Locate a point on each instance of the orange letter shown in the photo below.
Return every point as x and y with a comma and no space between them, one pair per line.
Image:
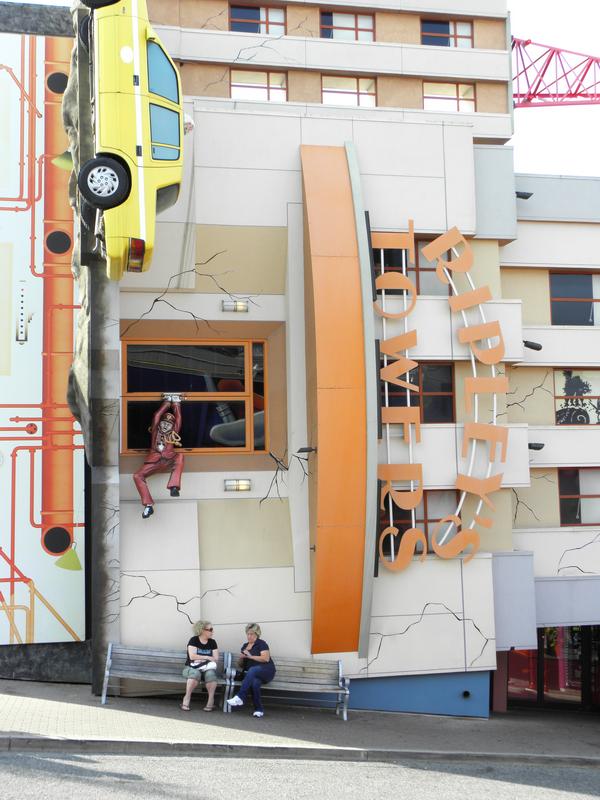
494,434
479,486
402,365
481,385
442,244
407,549
459,542
395,280
460,302
403,415
406,498
489,355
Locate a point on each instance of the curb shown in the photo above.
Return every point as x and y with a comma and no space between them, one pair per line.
24,744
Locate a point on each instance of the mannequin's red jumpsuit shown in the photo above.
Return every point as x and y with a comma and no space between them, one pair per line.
161,461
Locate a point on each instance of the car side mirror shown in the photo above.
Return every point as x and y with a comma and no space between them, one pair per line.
150,35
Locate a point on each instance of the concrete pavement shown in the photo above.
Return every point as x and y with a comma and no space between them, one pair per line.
46,716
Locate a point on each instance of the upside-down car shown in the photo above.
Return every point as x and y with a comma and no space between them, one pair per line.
138,130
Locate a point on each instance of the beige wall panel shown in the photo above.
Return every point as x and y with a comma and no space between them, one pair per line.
6,300
210,14
240,534
205,80
485,270
531,395
532,286
489,34
304,86
395,91
536,506
462,370
402,28
163,12
498,538
303,21
492,98
253,261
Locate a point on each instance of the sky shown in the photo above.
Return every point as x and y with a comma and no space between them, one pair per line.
550,140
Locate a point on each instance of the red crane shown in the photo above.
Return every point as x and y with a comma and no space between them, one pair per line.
550,76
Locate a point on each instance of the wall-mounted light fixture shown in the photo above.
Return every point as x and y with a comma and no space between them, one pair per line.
532,345
307,450
238,485
234,305
524,195
536,445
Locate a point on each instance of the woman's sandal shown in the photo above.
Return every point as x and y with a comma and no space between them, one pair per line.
208,708
183,707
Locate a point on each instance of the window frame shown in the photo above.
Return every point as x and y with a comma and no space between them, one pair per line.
357,93
399,390
592,299
268,24
450,36
356,29
149,45
575,497
247,395
267,72
557,396
457,97
416,269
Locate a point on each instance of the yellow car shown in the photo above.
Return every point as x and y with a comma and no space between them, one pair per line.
138,130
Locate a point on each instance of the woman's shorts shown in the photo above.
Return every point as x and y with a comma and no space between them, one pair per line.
197,674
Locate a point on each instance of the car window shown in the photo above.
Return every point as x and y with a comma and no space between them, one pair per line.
164,130
162,79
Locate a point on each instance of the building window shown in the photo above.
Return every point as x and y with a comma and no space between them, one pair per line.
579,496
250,85
434,506
252,19
435,395
448,96
350,27
223,384
577,396
446,33
422,274
345,90
575,298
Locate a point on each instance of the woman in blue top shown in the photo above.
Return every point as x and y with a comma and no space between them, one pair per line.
258,665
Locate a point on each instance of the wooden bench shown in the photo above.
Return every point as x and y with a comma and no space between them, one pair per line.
299,676
162,666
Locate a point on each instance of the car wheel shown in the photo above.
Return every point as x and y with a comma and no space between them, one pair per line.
103,182
84,33
99,3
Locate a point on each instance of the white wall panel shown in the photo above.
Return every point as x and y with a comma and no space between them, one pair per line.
393,200
568,601
561,551
270,307
565,245
181,521
440,473
514,600
389,148
566,445
198,485
491,8
562,345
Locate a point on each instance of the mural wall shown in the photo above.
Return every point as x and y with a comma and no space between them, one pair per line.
42,581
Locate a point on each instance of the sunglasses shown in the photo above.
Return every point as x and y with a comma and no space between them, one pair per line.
209,629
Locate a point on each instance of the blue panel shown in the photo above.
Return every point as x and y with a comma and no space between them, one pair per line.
162,79
425,694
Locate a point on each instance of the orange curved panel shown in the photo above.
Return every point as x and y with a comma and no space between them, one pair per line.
336,399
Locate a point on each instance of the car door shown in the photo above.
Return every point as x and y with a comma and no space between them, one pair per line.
164,106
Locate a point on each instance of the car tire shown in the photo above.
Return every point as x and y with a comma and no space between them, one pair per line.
99,3
104,182
84,33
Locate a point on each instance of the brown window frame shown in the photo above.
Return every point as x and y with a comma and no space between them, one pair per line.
449,36
457,97
356,27
247,395
268,73
399,390
575,497
559,299
572,397
357,93
401,516
416,269
281,26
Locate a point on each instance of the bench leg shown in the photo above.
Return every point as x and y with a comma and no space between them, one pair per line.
345,711
106,674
